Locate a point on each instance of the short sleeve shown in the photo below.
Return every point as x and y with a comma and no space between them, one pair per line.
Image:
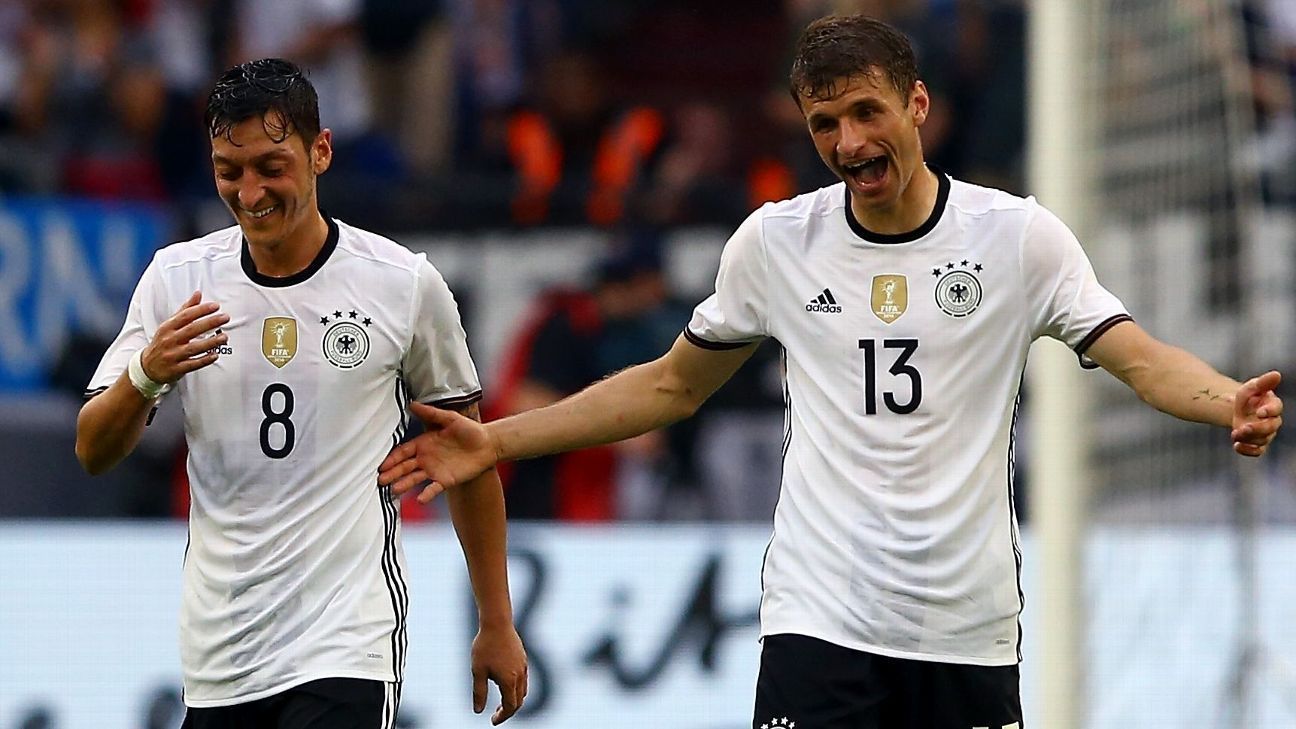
1062,292
437,367
141,322
737,313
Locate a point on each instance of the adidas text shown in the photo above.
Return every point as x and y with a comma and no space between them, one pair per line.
825,308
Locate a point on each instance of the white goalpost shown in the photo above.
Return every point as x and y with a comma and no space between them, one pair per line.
1142,138
1057,174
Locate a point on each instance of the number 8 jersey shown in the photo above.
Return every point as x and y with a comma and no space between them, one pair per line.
894,531
294,569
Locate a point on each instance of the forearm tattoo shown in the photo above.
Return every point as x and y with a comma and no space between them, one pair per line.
1206,394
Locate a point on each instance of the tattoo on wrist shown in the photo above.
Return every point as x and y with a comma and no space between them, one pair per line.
1206,394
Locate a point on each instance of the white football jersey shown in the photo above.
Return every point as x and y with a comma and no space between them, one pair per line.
894,531
294,569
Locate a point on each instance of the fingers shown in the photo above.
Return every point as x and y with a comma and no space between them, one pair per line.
1269,381
201,326
479,689
189,313
410,481
1271,406
1253,438
1256,387
196,363
397,477
179,346
400,453
512,695
433,490
401,461
432,417
1248,449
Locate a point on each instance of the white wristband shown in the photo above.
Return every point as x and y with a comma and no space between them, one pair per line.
147,387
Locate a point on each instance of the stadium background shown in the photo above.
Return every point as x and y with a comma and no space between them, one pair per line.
573,167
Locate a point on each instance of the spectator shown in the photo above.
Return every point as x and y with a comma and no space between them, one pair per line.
178,30
24,166
82,61
576,156
573,338
408,46
323,36
496,42
695,180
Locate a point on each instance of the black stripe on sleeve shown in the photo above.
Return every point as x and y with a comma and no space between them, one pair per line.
87,394
1093,336
714,346
457,401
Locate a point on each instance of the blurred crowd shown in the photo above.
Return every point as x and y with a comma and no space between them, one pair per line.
462,114
630,116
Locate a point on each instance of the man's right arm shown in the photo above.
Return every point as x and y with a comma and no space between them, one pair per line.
110,424
631,402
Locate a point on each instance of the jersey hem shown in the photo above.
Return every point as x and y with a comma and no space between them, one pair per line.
1093,336
714,346
891,652
280,688
456,401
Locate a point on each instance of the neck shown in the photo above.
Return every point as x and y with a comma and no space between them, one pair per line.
292,254
909,212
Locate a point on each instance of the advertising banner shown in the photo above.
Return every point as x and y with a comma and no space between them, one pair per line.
66,268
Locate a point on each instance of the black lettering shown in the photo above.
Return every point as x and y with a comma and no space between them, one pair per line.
701,624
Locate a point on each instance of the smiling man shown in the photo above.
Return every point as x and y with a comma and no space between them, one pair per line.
294,341
905,302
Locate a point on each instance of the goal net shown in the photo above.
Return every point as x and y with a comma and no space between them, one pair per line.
1181,578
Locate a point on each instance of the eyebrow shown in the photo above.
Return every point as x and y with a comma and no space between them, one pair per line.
218,158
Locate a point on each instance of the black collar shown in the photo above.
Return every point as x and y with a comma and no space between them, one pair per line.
330,243
942,196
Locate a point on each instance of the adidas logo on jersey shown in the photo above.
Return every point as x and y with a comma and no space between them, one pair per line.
824,303
222,349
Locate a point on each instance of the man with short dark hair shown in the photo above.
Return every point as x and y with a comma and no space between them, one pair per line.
294,342
905,302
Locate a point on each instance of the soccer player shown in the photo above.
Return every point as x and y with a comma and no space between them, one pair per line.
294,342
905,302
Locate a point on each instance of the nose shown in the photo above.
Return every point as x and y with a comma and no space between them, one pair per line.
853,139
250,192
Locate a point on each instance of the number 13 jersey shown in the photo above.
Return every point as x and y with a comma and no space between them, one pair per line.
894,531
294,569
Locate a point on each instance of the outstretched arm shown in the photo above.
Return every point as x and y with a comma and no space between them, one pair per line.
477,511
1176,382
633,401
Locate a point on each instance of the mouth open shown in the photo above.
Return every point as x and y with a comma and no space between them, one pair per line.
869,173
259,214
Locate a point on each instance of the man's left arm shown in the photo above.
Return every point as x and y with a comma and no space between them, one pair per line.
477,512
1176,382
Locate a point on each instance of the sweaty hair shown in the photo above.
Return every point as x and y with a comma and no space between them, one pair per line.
833,49
250,90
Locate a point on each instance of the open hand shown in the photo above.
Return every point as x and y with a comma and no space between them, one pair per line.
1257,414
455,449
179,345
